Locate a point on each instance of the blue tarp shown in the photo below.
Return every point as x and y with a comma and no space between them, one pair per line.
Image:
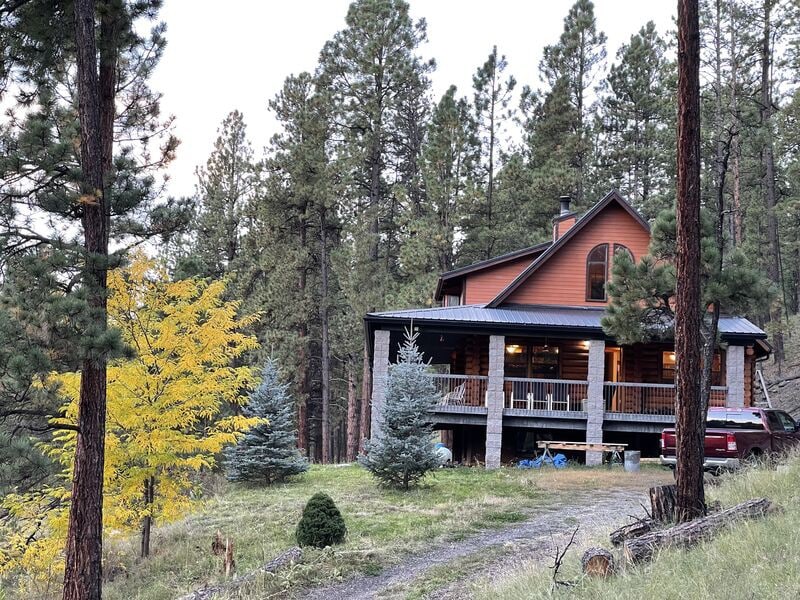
559,461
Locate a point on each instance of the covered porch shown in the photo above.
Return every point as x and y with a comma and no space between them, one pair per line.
551,371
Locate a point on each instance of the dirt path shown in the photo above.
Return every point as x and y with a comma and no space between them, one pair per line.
595,512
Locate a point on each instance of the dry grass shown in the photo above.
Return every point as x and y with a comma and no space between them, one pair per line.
754,560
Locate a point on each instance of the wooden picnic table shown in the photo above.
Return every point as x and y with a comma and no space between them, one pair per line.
613,449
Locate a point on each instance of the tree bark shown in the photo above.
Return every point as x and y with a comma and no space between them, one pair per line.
83,568
325,342
352,414
633,530
663,503
768,158
689,417
597,562
642,548
147,522
366,396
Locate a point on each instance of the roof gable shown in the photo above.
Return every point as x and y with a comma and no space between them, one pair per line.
498,261
613,198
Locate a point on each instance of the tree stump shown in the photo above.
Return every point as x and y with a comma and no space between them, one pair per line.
662,503
229,564
632,530
641,549
597,562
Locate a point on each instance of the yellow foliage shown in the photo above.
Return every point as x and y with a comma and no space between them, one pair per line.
169,408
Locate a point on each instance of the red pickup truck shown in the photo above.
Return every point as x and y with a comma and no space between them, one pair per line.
737,434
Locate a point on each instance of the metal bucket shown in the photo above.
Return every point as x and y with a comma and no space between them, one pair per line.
632,460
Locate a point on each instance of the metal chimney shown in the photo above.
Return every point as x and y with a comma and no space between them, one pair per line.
564,201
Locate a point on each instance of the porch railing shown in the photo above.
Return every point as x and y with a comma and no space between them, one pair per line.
461,390
546,394
649,398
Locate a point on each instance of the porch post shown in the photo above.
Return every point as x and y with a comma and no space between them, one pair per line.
734,375
595,405
380,377
494,401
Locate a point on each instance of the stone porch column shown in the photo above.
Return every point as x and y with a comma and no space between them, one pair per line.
494,401
595,404
734,375
380,377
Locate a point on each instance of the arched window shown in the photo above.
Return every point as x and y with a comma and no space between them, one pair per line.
623,248
597,273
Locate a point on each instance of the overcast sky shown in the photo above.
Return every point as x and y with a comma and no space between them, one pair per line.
236,54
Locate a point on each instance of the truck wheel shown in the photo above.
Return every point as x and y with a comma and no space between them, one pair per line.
752,458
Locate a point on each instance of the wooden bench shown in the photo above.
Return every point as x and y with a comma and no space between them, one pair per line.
613,449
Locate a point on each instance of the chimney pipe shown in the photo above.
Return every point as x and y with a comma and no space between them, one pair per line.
564,201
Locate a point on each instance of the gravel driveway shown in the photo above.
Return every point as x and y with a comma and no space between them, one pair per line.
595,512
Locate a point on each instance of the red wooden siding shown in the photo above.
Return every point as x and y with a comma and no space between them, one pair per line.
562,279
484,285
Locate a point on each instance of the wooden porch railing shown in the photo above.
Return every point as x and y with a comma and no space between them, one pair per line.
461,390
546,394
649,398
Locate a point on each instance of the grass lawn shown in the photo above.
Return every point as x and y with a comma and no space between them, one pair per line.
753,560
382,524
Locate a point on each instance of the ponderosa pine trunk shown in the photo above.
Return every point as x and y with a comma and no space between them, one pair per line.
768,157
83,565
352,414
688,342
325,342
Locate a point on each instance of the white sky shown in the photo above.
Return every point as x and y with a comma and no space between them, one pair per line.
222,56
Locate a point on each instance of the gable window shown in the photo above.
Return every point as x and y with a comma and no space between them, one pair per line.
622,248
597,273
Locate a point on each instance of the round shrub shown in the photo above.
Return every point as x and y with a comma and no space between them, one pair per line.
321,524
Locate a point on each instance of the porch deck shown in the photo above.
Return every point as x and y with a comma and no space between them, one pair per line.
563,399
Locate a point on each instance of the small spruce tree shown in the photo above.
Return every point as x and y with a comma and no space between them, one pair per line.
321,524
267,452
403,451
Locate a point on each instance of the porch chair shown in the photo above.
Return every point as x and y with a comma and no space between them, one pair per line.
456,397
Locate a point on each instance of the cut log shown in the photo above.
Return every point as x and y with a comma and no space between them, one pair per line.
632,530
662,503
641,549
597,562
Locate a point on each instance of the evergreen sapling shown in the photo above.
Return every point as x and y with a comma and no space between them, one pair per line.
267,452
403,452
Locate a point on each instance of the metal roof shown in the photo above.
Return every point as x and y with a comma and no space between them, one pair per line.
538,317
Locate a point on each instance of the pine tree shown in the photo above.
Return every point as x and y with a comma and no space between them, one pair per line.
402,452
559,133
492,95
638,124
80,156
267,452
224,187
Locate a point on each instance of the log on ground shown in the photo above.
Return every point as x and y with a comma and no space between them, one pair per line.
630,531
597,562
641,549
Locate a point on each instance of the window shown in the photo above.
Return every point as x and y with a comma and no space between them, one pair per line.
597,273
544,362
788,423
622,248
452,300
729,419
668,366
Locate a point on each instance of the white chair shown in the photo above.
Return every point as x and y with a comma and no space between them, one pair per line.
456,397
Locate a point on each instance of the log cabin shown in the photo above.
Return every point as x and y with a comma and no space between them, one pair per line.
519,355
